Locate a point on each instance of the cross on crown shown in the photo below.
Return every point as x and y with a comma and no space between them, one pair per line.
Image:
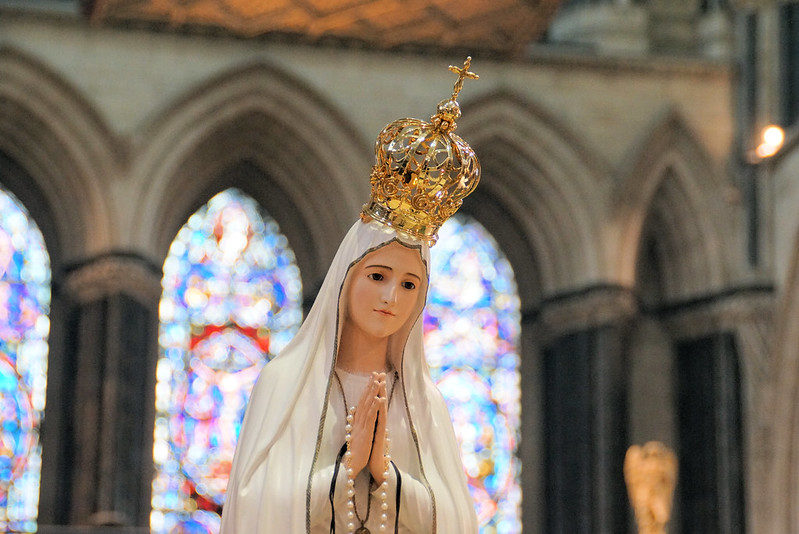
462,72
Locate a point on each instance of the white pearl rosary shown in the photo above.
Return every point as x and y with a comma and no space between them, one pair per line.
351,512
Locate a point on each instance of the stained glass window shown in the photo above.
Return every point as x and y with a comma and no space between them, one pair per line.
231,301
471,329
24,328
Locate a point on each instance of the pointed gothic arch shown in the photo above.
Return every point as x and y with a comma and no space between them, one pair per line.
57,157
274,138
50,131
231,301
673,180
545,184
540,198
668,216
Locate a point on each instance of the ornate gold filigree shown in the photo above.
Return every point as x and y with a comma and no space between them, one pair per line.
422,170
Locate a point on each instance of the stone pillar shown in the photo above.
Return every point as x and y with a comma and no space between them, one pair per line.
531,445
722,366
585,410
103,387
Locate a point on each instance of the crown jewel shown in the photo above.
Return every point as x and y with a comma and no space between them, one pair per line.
422,170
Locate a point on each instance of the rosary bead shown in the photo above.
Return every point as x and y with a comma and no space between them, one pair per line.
352,511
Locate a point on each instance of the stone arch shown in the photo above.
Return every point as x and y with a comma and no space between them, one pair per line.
59,159
672,180
545,185
258,129
673,246
539,197
57,141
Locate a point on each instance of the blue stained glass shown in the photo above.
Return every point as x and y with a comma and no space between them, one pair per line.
231,300
24,329
472,325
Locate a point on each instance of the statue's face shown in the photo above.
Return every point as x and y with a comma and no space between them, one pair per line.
384,290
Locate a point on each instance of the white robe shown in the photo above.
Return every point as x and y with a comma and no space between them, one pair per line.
293,428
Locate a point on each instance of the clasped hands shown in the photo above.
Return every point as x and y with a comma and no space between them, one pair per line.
368,442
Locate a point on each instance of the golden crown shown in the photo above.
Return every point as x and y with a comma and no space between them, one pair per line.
422,170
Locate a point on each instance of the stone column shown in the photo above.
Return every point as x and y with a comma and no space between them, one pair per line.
585,407
99,438
722,352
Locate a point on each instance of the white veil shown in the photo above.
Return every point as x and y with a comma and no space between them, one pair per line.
270,481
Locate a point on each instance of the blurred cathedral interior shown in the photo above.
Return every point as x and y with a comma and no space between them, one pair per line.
176,175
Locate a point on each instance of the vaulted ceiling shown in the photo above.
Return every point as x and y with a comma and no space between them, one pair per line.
498,26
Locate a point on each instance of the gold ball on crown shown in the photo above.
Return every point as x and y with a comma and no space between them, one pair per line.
422,170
